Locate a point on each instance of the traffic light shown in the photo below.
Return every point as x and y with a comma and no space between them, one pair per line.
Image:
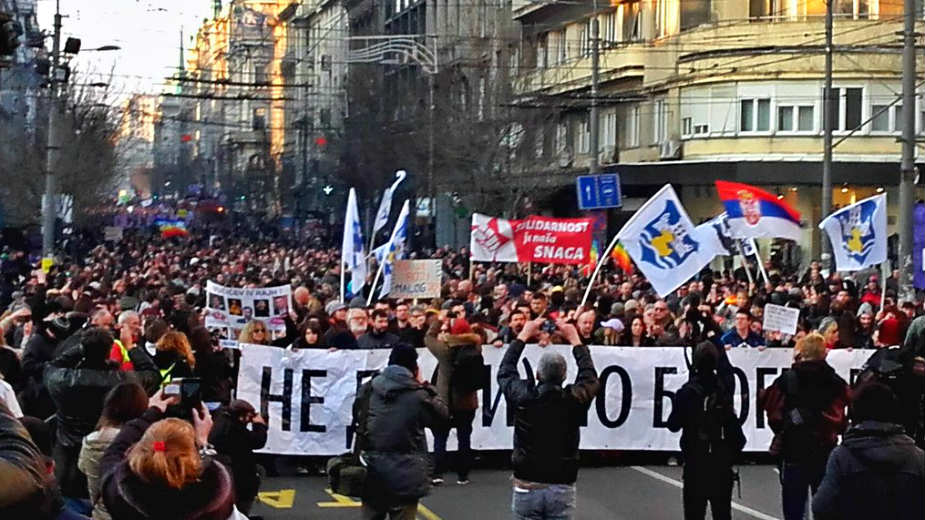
10,31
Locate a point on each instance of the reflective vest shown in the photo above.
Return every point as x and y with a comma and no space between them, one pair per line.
165,374
123,350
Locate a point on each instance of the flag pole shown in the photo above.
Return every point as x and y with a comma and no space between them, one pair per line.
597,269
343,270
748,273
372,290
529,274
884,266
761,269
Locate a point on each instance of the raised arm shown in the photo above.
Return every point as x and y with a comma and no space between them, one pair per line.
586,382
515,389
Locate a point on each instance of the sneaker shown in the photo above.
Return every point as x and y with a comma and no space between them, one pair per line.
437,481
463,482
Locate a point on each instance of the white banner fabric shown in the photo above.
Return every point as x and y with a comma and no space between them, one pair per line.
307,395
230,308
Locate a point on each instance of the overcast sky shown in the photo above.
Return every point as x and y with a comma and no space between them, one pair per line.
148,31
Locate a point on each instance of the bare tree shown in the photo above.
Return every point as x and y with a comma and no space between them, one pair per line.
87,163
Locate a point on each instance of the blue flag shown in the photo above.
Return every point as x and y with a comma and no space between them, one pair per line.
858,234
395,250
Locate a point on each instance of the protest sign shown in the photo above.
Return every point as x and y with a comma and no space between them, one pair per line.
230,308
112,233
307,395
780,318
533,239
416,279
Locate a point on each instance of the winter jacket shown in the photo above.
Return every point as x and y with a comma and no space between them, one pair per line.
877,472
395,409
215,371
443,351
128,497
372,340
79,392
235,445
547,418
704,444
91,454
34,397
171,366
821,398
21,467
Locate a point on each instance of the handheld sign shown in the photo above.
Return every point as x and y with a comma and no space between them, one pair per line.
780,318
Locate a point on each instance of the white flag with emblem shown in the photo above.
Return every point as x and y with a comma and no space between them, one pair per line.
858,234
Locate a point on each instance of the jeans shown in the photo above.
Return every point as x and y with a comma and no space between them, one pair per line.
403,512
462,421
796,479
554,502
72,481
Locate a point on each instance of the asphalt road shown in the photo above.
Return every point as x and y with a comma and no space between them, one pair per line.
615,493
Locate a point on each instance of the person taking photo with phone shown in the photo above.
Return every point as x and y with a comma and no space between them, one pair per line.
548,416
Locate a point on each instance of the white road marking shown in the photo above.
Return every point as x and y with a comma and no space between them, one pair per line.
678,484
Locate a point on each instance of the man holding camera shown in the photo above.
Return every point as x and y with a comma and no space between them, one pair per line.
78,381
237,431
547,421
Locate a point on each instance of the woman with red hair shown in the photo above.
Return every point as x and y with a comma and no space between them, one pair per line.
161,467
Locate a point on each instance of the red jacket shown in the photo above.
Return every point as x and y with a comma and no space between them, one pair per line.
820,397
120,356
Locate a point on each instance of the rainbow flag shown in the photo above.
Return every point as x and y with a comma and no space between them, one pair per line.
172,228
622,258
588,268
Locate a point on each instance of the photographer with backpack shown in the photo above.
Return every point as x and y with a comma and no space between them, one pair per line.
711,437
806,410
459,376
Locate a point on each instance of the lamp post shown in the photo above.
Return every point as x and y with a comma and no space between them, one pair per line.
49,209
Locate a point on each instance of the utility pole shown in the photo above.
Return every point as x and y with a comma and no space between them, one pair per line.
907,166
595,73
828,124
49,208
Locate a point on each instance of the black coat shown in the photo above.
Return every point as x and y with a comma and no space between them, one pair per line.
235,445
215,371
127,497
395,408
877,472
548,418
39,351
688,416
79,392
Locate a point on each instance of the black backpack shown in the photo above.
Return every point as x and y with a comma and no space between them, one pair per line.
719,433
468,369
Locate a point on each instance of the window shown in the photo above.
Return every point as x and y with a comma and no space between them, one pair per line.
540,142
880,121
755,115
854,9
694,13
660,121
701,129
632,127
687,126
561,47
259,121
791,118
561,137
608,130
542,47
785,119
632,23
584,134
847,106
898,118
607,30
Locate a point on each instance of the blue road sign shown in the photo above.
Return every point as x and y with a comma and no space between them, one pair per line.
599,191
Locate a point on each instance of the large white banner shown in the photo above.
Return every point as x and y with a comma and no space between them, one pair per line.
230,308
308,394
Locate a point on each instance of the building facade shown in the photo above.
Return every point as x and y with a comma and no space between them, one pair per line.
695,91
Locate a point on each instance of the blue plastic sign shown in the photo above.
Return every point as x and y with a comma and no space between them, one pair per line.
599,191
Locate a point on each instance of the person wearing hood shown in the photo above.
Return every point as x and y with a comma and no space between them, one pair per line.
711,440
446,340
805,408
390,414
877,472
39,351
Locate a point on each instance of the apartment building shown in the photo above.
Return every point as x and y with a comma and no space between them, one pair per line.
700,90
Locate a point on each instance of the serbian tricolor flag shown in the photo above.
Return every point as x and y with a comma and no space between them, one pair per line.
755,213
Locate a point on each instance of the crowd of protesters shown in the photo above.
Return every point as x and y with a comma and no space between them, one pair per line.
89,347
